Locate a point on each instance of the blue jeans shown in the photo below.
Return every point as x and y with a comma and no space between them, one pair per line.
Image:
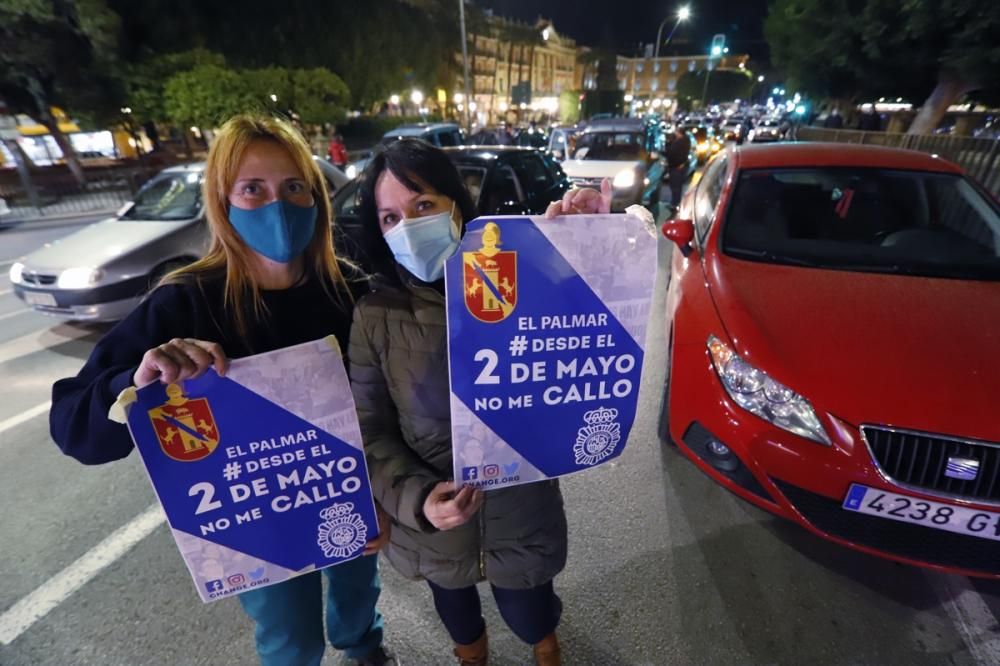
289,615
531,614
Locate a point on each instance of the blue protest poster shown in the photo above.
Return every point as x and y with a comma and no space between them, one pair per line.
546,332
261,473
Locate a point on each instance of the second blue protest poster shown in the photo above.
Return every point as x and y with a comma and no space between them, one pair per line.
546,330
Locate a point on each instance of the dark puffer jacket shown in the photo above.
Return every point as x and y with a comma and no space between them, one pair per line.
399,373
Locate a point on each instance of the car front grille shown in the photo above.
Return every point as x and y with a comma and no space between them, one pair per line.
921,460
37,279
914,542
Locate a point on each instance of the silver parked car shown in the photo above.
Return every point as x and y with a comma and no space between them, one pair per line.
102,271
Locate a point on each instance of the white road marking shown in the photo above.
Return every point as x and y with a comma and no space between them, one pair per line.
16,620
15,313
24,416
4,292
38,341
974,620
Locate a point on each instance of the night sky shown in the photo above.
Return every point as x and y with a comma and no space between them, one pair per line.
623,24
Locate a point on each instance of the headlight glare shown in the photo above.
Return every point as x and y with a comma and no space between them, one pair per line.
78,278
351,172
753,390
16,270
625,178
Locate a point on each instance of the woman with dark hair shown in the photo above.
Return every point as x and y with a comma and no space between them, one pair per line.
516,539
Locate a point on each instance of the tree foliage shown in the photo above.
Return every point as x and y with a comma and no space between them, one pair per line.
208,93
59,53
377,47
933,50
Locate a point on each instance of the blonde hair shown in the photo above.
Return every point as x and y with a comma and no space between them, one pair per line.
228,252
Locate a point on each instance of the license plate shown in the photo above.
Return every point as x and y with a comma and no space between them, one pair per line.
936,515
39,298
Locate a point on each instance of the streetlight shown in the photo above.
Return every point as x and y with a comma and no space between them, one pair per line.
683,14
274,98
394,100
760,79
416,97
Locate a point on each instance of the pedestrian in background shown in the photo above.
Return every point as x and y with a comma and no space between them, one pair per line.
337,151
678,154
414,203
270,280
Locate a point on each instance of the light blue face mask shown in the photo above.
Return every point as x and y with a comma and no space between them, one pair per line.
422,244
280,230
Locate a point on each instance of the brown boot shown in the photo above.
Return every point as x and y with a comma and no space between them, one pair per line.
474,654
547,652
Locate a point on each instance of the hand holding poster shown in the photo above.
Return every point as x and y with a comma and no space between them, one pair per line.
261,473
546,330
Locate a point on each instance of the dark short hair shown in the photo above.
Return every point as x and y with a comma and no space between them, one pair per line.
421,167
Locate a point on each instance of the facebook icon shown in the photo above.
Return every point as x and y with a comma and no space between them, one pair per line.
470,473
214,586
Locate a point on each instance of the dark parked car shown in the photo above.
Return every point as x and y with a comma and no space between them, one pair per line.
503,180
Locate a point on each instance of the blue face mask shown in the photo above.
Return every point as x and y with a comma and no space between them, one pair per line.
280,230
422,244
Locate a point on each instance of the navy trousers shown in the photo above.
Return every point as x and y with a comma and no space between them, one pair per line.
531,614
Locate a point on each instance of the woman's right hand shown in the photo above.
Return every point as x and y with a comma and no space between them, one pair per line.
179,359
445,509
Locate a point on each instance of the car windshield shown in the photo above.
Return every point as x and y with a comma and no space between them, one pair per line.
611,146
169,196
870,220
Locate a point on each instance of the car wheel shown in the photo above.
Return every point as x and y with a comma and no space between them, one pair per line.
663,424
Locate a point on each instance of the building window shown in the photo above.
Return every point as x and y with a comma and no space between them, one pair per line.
671,84
673,66
656,68
635,84
691,65
621,84
654,84
638,67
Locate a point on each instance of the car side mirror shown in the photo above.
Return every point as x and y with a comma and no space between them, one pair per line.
681,232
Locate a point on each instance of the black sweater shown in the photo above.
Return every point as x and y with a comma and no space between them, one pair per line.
79,418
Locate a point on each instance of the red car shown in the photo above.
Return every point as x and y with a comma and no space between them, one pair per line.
834,332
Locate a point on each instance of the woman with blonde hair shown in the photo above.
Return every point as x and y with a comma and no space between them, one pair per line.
269,280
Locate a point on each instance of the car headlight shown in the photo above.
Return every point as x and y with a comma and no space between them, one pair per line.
351,171
625,178
15,272
702,147
78,278
757,393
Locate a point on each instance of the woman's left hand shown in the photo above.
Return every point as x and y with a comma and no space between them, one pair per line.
384,530
582,201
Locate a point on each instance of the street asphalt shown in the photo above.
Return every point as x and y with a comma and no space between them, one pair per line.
665,567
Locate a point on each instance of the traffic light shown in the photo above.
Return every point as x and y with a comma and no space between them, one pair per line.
718,46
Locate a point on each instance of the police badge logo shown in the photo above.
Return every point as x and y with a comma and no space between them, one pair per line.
597,440
344,532
490,278
185,427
